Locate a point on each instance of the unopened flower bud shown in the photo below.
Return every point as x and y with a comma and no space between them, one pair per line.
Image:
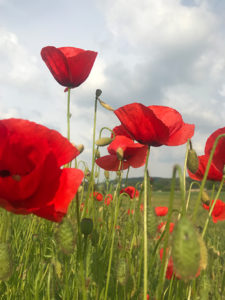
98,93
205,198
105,105
185,250
97,153
192,161
80,189
103,141
86,226
80,148
119,153
106,174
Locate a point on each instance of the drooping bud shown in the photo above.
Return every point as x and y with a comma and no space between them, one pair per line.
205,198
86,226
97,153
185,250
98,93
65,236
103,141
105,105
80,148
5,261
119,153
192,161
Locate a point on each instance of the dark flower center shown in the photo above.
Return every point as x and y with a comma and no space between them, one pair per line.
4,173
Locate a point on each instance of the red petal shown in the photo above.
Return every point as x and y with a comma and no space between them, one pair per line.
161,210
142,124
120,130
179,132
32,134
214,173
57,64
136,157
219,155
111,163
80,67
69,183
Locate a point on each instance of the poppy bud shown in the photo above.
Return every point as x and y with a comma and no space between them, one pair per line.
65,236
103,141
185,250
119,153
105,105
97,153
5,261
80,148
86,226
106,174
192,161
98,93
205,198
80,189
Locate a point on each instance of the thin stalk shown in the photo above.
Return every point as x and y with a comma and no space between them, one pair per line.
212,207
68,114
117,199
205,176
145,226
127,176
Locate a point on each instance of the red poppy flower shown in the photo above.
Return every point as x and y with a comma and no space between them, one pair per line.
154,125
161,210
169,270
131,191
162,225
134,155
218,161
108,199
120,130
31,178
130,211
218,213
97,196
69,66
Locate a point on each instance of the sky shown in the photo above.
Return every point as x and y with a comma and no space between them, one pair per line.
156,52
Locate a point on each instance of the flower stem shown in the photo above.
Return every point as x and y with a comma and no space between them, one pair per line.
68,114
145,226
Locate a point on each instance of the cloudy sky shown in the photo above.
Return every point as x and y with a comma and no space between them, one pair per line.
166,52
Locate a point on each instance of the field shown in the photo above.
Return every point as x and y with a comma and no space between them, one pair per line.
48,261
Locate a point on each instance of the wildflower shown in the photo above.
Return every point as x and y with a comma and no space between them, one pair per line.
216,168
161,210
169,270
131,191
31,177
97,196
69,66
218,213
162,225
124,152
108,199
130,211
154,125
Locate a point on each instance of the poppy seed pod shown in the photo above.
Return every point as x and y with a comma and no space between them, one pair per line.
185,250
192,161
98,93
86,226
103,141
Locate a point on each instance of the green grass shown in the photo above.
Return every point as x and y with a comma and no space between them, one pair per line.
41,268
